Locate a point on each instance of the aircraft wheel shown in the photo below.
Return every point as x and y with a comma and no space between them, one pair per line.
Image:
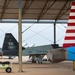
33,61
8,70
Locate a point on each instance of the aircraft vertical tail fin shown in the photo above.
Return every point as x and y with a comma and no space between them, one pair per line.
10,43
70,32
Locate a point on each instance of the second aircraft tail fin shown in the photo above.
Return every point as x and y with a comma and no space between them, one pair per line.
70,32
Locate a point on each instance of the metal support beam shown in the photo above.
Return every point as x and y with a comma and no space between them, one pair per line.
55,33
65,11
46,7
26,6
60,13
6,3
4,6
43,9
20,35
34,21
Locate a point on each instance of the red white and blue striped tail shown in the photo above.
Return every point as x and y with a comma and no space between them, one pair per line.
70,32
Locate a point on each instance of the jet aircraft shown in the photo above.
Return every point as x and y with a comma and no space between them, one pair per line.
11,48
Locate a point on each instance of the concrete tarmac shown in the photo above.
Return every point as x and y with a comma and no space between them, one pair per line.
63,68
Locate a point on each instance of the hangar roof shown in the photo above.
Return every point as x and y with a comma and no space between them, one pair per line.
36,9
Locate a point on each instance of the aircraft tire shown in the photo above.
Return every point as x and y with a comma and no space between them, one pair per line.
33,61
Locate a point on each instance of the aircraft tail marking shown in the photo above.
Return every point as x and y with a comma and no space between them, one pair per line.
70,32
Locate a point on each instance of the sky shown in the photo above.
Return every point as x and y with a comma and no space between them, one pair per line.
37,34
